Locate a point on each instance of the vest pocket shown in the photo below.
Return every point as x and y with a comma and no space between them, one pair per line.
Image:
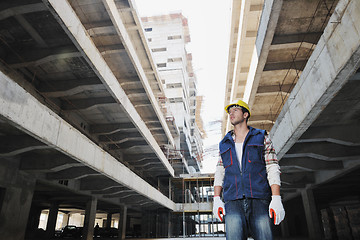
226,157
255,154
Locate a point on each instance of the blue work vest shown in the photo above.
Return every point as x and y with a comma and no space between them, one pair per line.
251,180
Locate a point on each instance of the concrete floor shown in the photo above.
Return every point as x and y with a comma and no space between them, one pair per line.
213,238
210,238
180,238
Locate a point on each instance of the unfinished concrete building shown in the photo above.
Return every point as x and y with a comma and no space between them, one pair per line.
82,129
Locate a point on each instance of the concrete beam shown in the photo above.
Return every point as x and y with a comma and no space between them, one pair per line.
112,128
328,140
297,65
127,144
309,37
46,163
98,24
31,31
66,16
312,164
293,178
146,165
36,57
321,157
26,113
242,38
340,134
138,157
72,173
14,145
97,184
102,31
330,64
23,9
329,150
194,207
294,45
115,16
275,88
114,190
69,87
266,31
120,137
86,103
329,175
121,194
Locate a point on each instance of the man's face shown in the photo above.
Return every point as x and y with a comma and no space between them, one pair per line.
236,115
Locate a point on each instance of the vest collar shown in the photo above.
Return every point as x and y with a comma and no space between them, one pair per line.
229,135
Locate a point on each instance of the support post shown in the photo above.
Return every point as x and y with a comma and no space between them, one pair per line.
169,226
311,214
89,221
122,223
170,189
108,220
16,195
66,220
51,223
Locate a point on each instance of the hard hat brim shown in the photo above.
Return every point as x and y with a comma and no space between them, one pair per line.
241,105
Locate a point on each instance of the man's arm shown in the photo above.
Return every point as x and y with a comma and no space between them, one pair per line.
276,209
275,190
217,190
218,205
272,166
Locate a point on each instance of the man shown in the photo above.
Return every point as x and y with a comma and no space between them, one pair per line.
248,173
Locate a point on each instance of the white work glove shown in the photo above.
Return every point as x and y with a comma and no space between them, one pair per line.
276,208
218,208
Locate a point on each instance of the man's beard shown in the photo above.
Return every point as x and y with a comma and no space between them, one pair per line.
238,121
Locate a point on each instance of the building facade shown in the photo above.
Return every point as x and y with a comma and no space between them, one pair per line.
167,36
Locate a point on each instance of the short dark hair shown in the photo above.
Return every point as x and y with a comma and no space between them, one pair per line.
244,110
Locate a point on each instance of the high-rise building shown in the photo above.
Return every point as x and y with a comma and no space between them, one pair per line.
167,36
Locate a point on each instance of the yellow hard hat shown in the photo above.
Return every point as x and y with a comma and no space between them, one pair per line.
238,103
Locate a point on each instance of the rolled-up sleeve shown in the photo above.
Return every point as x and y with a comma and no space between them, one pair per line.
272,163
219,174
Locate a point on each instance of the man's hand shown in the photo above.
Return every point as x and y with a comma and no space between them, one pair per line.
218,208
276,209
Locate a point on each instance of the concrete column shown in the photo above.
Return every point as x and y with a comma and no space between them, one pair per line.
51,222
311,214
15,205
108,220
34,218
170,189
89,221
122,223
169,225
66,219
145,225
157,227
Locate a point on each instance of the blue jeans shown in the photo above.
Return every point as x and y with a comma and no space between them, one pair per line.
248,217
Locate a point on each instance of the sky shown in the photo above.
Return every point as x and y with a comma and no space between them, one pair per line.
209,26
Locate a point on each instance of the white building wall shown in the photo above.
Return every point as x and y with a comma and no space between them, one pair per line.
167,37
